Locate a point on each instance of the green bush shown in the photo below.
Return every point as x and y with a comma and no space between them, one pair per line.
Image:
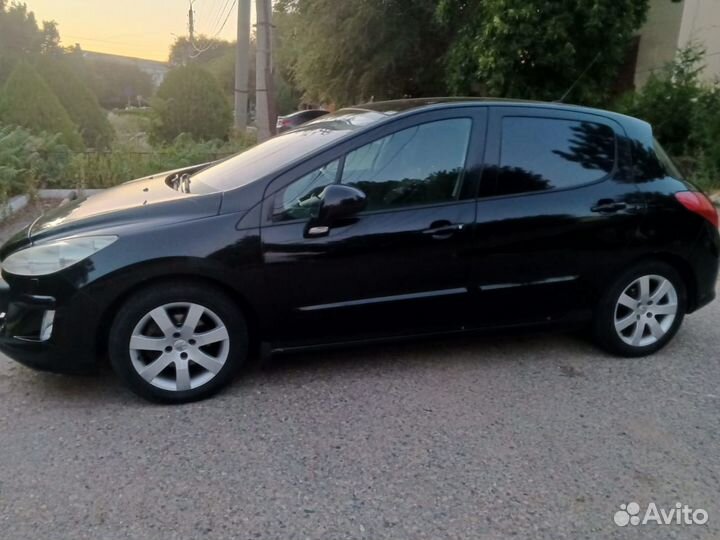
26,100
77,98
29,161
127,161
685,114
705,139
668,99
190,101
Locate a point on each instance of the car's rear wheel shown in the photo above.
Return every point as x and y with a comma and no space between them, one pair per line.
178,343
642,310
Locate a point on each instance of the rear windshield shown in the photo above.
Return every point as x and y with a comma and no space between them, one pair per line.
283,150
667,163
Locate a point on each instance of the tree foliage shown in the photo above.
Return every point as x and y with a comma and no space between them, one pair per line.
21,38
190,100
116,85
347,52
68,84
684,112
705,137
218,57
29,160
223,69
202,50
536,49
289,94
668,100
26,100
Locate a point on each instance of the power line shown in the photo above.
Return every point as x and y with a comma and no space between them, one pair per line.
219,17
212,45
227,17
209,15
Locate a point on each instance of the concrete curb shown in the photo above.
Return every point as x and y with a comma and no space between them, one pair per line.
64,193
17,203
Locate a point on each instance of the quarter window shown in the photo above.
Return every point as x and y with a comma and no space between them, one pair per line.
540,154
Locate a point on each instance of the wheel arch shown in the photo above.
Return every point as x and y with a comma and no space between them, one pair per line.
109,313
685,270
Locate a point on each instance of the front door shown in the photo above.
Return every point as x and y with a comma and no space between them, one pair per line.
401,265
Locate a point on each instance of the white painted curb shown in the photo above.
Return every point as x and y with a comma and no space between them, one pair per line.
19,202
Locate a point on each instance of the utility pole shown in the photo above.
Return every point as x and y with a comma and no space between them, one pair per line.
191,32
265,116
242,66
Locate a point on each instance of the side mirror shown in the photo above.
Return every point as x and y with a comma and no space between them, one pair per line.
338,203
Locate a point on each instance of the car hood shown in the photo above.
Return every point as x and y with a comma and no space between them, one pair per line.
149,200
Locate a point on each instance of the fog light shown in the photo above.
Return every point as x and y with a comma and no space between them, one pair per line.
46,326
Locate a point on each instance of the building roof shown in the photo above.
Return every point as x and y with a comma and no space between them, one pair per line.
125,59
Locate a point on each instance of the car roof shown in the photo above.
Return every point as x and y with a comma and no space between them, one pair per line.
304,112
403,106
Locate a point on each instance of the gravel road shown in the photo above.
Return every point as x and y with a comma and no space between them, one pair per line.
526,436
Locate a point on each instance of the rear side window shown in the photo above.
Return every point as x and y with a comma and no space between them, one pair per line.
539,154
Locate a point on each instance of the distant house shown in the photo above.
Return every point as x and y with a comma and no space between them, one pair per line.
157,70
671,26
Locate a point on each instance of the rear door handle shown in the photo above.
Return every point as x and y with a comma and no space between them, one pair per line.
442,230
607,206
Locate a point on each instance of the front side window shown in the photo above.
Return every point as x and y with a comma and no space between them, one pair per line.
420,165
301,199
539,154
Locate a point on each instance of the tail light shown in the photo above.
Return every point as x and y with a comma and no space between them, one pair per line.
282,122
699,204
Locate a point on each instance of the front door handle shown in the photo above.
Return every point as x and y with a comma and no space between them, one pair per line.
443,229
608,206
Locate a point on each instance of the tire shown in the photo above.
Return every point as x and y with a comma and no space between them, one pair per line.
632,319
161,358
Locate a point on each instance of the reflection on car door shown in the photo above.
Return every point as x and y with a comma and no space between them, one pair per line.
401,266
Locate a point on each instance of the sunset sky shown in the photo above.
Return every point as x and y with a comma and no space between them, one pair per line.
142,28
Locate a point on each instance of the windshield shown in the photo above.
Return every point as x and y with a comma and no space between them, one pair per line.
284,149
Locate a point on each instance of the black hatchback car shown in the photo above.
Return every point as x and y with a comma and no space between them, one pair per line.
385,220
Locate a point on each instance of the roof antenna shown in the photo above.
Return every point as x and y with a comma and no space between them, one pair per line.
573,85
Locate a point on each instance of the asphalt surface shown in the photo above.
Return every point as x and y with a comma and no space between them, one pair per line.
525,436
531,436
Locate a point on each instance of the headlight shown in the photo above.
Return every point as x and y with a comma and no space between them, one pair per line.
49,258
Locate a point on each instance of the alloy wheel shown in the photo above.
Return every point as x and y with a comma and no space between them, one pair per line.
179,346
646,310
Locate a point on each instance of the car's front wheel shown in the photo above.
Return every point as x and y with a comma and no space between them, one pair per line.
177,343
642,310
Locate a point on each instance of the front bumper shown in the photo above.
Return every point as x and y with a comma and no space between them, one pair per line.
32,333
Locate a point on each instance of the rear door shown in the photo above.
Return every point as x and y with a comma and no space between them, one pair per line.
557,213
